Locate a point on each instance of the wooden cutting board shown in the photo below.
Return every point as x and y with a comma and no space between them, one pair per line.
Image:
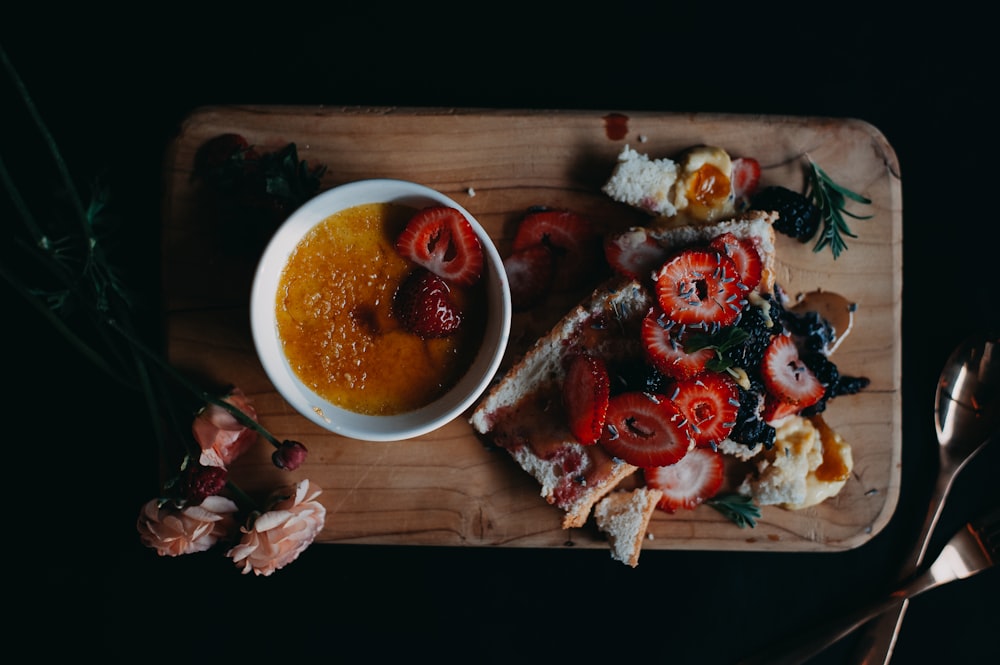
449,487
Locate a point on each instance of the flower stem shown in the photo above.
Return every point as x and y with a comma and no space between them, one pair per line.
241,497
237,413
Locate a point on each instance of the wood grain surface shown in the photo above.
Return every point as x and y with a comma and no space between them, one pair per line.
450,488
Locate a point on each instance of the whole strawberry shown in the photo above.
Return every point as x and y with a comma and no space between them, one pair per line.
424,306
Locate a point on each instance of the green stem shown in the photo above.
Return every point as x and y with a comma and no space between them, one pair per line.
241,417
241,497
49,141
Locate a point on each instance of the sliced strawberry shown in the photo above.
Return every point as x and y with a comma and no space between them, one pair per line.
700,286
689,482
424,307
645,430
441,239
786,377
711,402
745,177
585,393
663,342
744,254
634,253
530,272
571,238
775,409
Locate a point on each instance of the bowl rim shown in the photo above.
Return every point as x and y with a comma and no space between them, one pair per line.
267,343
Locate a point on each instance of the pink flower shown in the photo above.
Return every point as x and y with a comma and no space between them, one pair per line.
278,536
172,531
220,435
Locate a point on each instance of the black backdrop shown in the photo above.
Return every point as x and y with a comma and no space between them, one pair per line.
113,89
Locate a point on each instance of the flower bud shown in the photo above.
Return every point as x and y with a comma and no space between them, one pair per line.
290,455
198,482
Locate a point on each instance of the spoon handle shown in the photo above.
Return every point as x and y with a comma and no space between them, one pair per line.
879,636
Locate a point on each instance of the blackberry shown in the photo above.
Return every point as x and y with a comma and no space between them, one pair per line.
815,332
750,430
833,381
636,374
756,324
798,217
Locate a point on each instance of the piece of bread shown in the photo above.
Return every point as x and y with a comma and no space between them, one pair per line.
643,183
523,412
623,516
754,225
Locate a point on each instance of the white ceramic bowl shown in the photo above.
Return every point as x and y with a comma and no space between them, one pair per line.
263,320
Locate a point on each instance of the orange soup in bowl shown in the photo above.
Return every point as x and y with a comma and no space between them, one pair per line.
336,323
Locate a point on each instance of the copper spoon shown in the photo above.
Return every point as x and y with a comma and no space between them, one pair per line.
965,417
967,406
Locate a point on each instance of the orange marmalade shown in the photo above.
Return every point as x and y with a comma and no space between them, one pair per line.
336,324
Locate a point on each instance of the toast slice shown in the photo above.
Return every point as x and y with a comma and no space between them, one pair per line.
523,413
623,516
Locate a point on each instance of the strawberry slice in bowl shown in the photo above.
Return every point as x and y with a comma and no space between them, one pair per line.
645,430
441,239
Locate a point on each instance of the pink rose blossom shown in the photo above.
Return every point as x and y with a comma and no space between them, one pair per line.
278,536
220,435
172,531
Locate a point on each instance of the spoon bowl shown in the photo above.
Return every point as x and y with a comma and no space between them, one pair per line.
968,397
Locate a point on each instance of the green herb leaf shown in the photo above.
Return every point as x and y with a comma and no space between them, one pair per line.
721,342
739,508
830,198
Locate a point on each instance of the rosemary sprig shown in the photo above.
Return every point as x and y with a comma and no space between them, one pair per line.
739,508
831,200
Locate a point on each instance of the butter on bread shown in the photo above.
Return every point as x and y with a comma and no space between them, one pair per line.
623,516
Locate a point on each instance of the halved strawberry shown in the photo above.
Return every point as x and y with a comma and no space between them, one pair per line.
786,377
634,253
745,176
424,307
744,254
711,402
586,390
571,237
441,239
700,286
663,342
645,430
689,482
529,272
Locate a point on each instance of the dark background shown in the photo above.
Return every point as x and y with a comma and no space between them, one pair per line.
113,90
